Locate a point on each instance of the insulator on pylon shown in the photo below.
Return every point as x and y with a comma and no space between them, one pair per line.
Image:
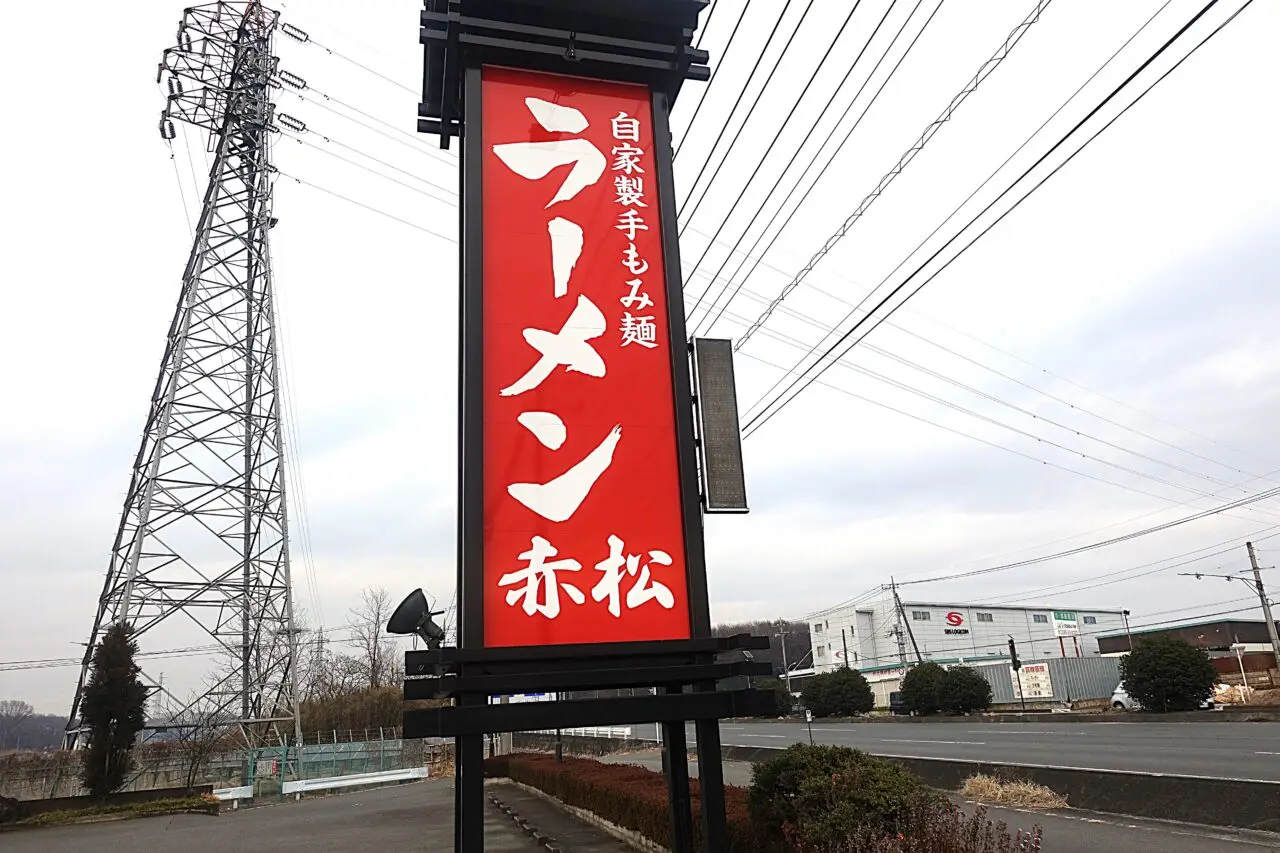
167,130
293,80
175,86
296,125
295,33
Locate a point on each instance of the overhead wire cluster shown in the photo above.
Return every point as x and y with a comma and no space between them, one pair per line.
803,376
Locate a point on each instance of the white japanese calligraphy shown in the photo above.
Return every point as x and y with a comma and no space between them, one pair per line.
617,566
535,160
626,128
631,259
541,574
630,191
630,222
556,117
566,248
560,498
639,330
626,158
636,300
567,347
546,427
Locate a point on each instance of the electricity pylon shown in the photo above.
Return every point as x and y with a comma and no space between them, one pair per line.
204,533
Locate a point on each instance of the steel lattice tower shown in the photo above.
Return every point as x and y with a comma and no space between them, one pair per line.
204,535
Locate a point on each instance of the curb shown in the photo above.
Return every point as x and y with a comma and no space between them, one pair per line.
545,841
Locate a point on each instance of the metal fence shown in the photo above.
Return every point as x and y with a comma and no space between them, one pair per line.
1070,679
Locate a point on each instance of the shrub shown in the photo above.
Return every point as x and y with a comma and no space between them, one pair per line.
784,702
816,792
844,692
934,828
1168,674
631,797
920,688
961,690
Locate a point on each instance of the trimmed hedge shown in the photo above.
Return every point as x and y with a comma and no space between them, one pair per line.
813,800
631,797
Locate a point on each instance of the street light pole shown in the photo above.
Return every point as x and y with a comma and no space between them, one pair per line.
1127,632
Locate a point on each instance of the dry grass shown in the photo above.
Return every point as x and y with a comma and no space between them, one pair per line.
1017,793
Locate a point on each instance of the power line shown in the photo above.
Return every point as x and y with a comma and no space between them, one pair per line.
774,406
930,130
302,37
955,406
777,135
742,93
750,112
444,200
759,257
370,208
706,93
831,133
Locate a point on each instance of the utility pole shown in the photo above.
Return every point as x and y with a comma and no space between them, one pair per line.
1127,632
844,641
1262,595
903,616
786,670
1266,605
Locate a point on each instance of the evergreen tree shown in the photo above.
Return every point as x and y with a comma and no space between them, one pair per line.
1168,674
962,689
920,688
113,711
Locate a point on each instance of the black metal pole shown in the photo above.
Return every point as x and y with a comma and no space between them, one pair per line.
844,641
675,766
469,749
711,785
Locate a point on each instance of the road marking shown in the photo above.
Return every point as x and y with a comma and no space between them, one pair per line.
996,731
951,742
1267,753
750,735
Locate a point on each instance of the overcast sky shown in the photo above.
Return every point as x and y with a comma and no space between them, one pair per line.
1114,332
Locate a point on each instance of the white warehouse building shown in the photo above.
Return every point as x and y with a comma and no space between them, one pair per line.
872,635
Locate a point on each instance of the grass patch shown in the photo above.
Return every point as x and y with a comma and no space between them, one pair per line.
197,805
1017,793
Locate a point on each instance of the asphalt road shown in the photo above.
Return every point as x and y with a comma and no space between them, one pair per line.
415,818
1218,750
1065,830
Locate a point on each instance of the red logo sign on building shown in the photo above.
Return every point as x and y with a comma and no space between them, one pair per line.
583,533
954,618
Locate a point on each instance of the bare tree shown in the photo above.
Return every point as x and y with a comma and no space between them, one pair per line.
13,713
201,735
375,650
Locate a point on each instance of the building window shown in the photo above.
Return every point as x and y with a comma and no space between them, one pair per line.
986,617
822,653
818,627
920,615
1091,620
1040,618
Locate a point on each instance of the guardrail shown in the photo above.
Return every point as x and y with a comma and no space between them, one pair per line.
615,732
302,786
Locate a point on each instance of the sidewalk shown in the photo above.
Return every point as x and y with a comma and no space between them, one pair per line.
1065,830
570,834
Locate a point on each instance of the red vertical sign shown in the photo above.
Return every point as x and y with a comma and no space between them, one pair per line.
583,535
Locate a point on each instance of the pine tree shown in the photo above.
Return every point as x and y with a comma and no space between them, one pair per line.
113,711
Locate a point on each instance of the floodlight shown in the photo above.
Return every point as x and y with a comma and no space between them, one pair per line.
413,616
